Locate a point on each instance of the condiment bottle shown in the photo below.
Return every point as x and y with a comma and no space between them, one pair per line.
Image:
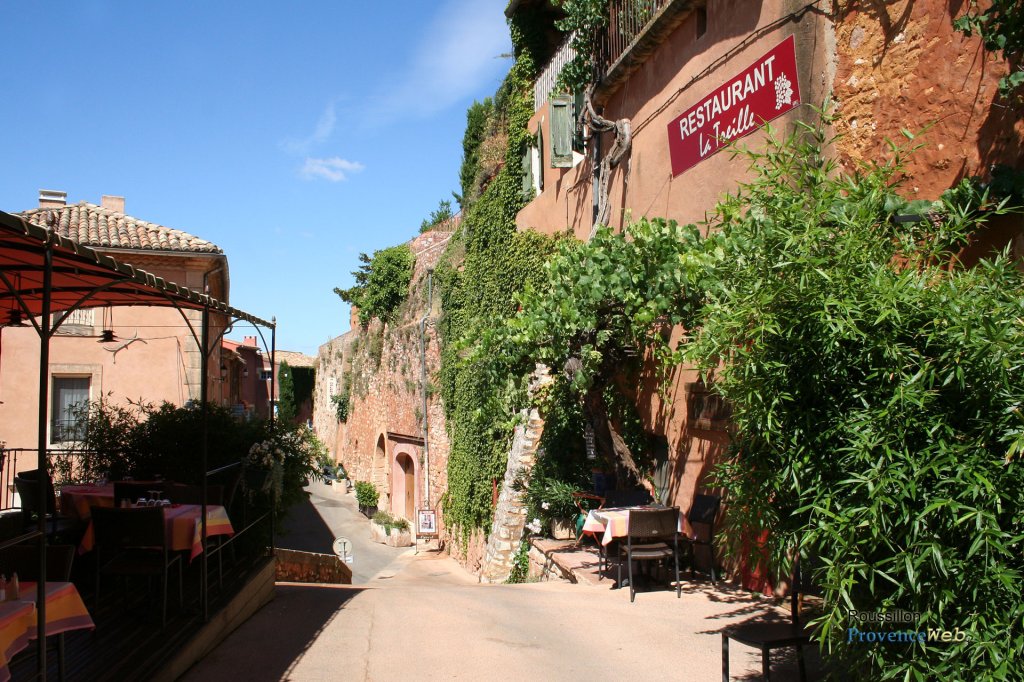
13,588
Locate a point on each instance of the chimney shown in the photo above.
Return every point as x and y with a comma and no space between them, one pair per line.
249,341
113,203
51,198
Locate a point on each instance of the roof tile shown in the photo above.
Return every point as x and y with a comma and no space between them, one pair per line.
94,225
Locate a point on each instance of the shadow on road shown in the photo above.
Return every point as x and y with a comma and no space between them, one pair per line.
287,628
304,529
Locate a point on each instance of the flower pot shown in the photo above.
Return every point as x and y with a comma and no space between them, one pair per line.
368,512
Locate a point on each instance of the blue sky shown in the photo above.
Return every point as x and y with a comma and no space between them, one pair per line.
292,135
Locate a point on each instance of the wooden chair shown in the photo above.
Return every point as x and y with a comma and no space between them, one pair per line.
703,512
652,535
768,635
133,541
24,560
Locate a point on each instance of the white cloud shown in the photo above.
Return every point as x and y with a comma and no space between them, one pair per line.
324,127
456,56
334,168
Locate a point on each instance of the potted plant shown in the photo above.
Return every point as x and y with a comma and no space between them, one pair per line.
367,498
390,530
555,507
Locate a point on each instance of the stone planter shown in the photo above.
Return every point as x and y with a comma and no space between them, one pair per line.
397,538
368,512
563,529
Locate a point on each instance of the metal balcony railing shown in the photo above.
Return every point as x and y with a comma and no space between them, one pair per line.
626,21
549,76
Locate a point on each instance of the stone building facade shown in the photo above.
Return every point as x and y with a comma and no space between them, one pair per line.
382,372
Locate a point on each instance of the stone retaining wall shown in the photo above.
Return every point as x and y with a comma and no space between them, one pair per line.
307,567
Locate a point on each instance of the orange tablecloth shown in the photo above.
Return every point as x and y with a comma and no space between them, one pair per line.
75,500
183,529
17,622
613,523
64,611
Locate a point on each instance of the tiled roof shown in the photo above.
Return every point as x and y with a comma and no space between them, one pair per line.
100,227
294,359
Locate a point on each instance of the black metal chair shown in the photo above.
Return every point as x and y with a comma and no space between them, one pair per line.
768,635
133,542
24,560
27,485
652,535
703,512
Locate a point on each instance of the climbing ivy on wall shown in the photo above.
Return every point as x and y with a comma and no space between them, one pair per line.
483,268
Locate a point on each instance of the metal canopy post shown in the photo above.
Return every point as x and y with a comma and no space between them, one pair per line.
204,364
42,476
273,422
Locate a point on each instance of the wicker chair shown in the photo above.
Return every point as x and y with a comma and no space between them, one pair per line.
652,535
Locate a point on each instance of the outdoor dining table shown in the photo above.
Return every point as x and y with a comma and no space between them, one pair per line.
77,500
613,522
184,532
65,611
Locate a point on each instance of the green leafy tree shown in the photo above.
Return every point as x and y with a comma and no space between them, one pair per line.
381,283
477,121
437,217
876,389
287,407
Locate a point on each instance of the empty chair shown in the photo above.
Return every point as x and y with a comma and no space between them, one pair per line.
133,541
703,512
24,560
652,535
32,506
768,635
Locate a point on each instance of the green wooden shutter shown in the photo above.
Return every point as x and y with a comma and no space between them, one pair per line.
561,131
527,175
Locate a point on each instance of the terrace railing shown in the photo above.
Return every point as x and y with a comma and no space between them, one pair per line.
627,19
549,76
62,465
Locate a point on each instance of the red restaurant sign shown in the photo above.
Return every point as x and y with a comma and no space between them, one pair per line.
764,91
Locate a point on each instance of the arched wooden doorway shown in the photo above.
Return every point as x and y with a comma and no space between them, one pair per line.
405,498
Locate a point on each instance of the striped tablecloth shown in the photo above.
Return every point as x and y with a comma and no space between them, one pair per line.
184,532
18,620
613,522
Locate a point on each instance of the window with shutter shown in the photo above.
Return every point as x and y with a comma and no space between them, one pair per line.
561,131
527,175
67,398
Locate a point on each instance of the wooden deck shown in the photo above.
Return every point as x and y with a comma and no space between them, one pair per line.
128,642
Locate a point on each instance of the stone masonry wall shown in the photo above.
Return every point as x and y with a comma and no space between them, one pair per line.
510,515
383,368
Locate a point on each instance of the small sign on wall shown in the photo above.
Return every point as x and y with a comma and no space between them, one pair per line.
765,90
426,523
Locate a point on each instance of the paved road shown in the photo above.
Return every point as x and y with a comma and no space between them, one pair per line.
422,617
313,525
